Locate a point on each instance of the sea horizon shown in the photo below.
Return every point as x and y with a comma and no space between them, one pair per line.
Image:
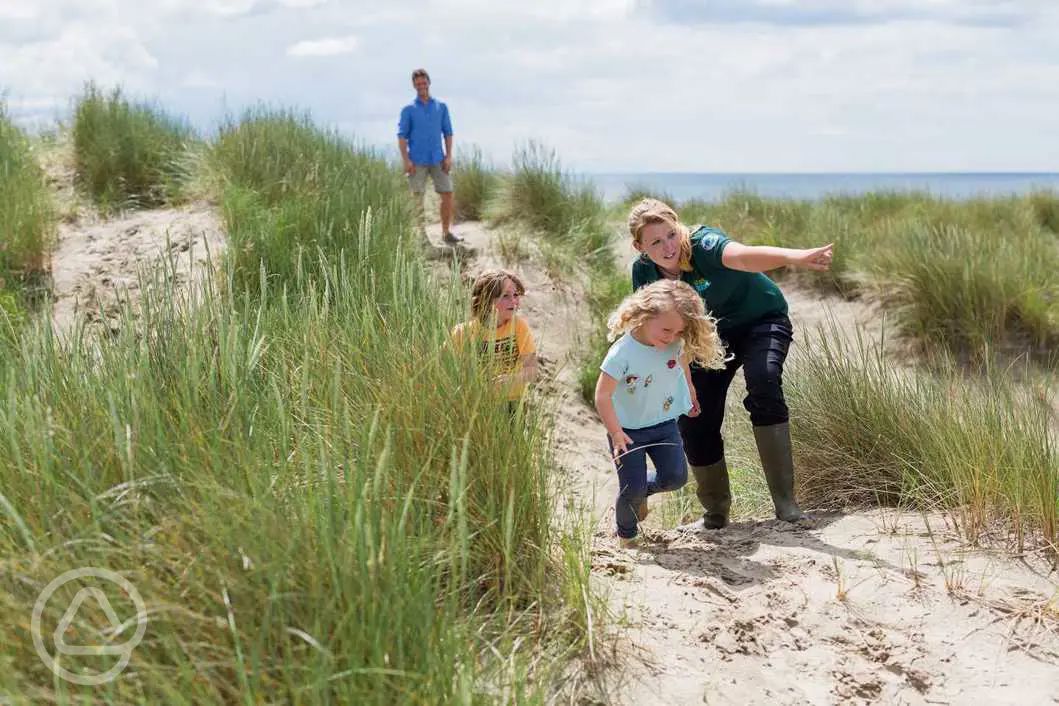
712,186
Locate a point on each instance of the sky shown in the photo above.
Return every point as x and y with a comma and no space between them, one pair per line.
611,85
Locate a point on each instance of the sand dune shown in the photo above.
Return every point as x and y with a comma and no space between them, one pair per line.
867,607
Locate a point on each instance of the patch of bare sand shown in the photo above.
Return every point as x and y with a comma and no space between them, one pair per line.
872,607
97,267
867,608
99,264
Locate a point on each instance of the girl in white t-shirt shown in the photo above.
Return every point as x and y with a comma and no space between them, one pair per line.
644,386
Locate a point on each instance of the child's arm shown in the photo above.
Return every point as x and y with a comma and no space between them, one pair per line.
528,368
695,409
605,387
762,258
526,373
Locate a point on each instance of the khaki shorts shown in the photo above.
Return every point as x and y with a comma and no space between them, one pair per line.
418,181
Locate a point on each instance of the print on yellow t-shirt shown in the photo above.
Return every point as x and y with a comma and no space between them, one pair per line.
500,348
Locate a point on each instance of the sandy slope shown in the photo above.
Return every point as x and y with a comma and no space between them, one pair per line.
877,607
98,266
99,263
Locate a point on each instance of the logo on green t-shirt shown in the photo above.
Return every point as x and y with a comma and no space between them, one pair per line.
701,284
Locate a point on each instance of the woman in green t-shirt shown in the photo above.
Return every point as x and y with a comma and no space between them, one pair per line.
752,321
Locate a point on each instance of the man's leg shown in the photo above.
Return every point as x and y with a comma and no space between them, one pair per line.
446,214
417,183
443,185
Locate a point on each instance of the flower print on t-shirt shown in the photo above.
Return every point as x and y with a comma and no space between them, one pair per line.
630,383
651,386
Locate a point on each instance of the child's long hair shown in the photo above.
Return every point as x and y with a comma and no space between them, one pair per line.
654,211
702,344
487,288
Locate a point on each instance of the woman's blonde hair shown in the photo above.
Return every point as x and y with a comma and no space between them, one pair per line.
654,211
487,288
702,344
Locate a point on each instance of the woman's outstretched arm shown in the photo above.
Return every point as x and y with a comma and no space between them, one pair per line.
761,258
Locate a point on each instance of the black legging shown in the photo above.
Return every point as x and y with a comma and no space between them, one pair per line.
760,348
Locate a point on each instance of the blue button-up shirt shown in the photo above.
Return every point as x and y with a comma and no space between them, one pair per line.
423,124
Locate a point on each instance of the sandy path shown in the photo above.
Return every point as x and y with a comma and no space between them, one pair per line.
876,607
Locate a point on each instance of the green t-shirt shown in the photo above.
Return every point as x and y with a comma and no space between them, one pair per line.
733,297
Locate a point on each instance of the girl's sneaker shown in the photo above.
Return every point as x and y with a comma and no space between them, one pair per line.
629,542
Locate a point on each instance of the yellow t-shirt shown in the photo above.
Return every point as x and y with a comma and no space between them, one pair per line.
501,348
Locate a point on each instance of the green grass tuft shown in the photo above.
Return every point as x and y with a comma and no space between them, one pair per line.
128,155
635,193
1046,208
540,195
27,218
295,196
475,181
27,230
866,432
971,288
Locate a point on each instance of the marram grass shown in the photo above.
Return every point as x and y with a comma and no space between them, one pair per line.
866,431
474,182
538,194
27,216
319,500
964,277
128,154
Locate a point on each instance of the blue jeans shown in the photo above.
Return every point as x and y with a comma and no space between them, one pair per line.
671,470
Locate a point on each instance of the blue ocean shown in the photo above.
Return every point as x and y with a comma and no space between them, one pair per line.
682,186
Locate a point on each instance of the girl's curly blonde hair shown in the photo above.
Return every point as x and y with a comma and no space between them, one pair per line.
702,344
654,211
487,288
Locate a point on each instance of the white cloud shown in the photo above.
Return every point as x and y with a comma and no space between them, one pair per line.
845,12
56,67
612,85
329,46
17,10
199,79
227,8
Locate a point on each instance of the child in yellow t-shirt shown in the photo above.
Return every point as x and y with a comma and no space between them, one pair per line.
500,336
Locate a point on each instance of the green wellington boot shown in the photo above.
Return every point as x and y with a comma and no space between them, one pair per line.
714,493
774,446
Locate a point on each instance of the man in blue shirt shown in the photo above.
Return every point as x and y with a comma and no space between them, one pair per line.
423,123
